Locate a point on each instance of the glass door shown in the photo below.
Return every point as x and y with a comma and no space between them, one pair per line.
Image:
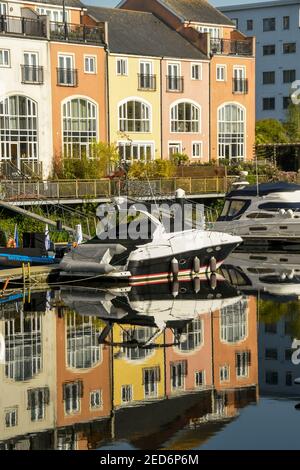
30,67
173,76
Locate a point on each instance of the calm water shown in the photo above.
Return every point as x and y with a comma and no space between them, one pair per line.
185,366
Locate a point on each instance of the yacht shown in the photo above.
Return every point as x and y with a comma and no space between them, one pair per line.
269,212
160,254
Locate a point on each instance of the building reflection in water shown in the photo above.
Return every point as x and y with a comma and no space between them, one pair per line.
60,389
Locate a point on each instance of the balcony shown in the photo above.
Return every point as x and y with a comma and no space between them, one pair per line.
147,82
15,25
32,75
67,77
240,86
231,47
175,84
77,33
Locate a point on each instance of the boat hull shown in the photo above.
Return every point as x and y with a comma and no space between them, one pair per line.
16,257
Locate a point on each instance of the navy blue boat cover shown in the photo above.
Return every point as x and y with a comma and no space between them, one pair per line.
264,189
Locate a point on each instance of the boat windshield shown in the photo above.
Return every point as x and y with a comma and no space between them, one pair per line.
122,225
232,208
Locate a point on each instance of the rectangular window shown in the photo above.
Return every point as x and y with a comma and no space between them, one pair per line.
37,399
286,22
11,418
147,81
197,150
122,66
242,363
126,394
271,377
174,147
236,22
199,379
174,79
271,354
269,49
141,151
90,64
271,328
196,71
3,8
269,78
224,373
221,73
96,399
66,74
288,354
249,25
289,48
4,58
286,101
72,393
269,24
289,76
268,104
178,373
288,379
151,377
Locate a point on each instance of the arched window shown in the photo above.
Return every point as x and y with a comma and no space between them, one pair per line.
134,116
234,322
18,130
79,127
192,336
23,346
185,117
231,132
83,350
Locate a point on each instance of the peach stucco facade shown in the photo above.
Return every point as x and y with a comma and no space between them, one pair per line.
194,92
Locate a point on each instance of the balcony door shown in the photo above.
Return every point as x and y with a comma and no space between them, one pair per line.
65,64
173,76
146,73
3,9
31,66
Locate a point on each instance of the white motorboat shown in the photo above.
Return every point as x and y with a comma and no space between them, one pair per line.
114,253
269,212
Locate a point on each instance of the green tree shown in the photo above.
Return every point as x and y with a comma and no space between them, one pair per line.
270,131
180,158
292,124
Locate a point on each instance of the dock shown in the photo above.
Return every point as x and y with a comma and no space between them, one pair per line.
33,276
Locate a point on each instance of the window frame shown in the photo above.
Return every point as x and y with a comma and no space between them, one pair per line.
174,143
94,58
197,142
271,20
269,46
123,116
126,72
127,387
252,24
8,65
268,108
224,68
284,48
200,66
175,121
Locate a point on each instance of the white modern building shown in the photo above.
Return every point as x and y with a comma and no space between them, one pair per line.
275,24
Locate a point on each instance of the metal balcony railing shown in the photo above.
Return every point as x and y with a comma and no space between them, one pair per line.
16,25
240,86
147,82
77,33
231,47
32,75
175,84
67,77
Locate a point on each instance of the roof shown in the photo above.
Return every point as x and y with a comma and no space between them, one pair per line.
68,3
255,5
139,33
199,11
265,189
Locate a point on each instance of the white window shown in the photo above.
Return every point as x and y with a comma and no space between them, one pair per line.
96,399
239,80
234,322
215,33
126,394
185,117
134,116
122,66
231,132
134,151
197,151
66,73
192,336
3,8
55,15
90,64
174,80
199,379
151,377
83,350
31,68
11,418
4,58
224,373
80,126
196,71
178,373
146,78
72,392
175,147
242,363
38,398
221,73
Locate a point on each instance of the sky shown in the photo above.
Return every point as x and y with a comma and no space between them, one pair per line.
112,3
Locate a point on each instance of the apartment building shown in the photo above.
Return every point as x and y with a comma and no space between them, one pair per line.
275,24
232,70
